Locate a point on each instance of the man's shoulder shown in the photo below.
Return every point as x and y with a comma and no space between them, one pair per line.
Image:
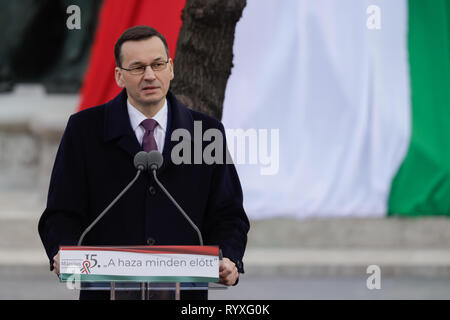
194,115
208,122
206,119
86,121
89,113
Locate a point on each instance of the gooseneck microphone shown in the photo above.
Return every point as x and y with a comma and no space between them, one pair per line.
141,164
155,160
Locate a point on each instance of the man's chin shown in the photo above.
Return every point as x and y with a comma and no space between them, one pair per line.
151,102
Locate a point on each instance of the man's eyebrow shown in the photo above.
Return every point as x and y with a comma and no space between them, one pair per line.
139,63
136,63
158,59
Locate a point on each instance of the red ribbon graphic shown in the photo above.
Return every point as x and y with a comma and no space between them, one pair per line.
86,265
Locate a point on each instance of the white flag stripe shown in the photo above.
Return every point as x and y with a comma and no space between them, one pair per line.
339,94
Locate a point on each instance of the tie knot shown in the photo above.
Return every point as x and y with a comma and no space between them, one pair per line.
149,124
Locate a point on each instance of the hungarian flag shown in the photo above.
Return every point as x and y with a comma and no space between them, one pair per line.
115,17
359,91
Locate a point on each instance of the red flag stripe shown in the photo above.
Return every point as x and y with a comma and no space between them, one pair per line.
116,16
202,250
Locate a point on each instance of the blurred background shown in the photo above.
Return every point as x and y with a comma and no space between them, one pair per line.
358,92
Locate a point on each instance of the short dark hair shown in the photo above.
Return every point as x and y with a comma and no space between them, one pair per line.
137,33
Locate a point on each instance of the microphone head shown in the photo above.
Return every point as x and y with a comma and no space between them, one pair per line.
141,161
155,160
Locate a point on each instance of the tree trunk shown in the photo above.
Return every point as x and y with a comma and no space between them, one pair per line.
204,54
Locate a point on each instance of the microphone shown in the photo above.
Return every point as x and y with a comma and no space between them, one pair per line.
155,160
140,161
141,164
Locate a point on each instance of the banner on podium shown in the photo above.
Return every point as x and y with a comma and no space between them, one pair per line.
139,264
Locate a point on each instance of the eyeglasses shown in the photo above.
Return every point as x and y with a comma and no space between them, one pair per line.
156,66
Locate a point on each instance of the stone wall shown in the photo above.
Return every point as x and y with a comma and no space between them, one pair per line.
31,126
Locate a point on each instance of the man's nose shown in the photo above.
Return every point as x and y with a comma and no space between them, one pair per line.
149,74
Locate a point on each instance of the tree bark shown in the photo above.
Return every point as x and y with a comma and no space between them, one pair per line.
204,54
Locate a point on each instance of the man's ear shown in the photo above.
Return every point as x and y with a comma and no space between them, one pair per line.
118,76
172,74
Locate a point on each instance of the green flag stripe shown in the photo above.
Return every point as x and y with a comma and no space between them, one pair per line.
422,184
64,277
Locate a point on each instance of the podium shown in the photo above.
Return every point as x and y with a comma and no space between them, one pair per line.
141,272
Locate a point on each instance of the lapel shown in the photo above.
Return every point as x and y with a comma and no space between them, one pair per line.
178,117
118,127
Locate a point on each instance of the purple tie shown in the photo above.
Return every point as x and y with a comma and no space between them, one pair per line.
148,141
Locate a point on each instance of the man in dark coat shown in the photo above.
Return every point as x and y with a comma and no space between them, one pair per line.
95,162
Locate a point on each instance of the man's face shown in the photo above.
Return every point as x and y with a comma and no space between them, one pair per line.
148,89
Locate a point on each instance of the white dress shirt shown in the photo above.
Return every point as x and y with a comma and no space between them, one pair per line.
136,117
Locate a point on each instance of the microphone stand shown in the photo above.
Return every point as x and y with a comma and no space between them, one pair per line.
153,168
80,241
177,205
107,208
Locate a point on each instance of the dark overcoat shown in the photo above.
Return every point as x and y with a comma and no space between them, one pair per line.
94,163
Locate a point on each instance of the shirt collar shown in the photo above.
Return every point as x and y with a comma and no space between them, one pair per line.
136,117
